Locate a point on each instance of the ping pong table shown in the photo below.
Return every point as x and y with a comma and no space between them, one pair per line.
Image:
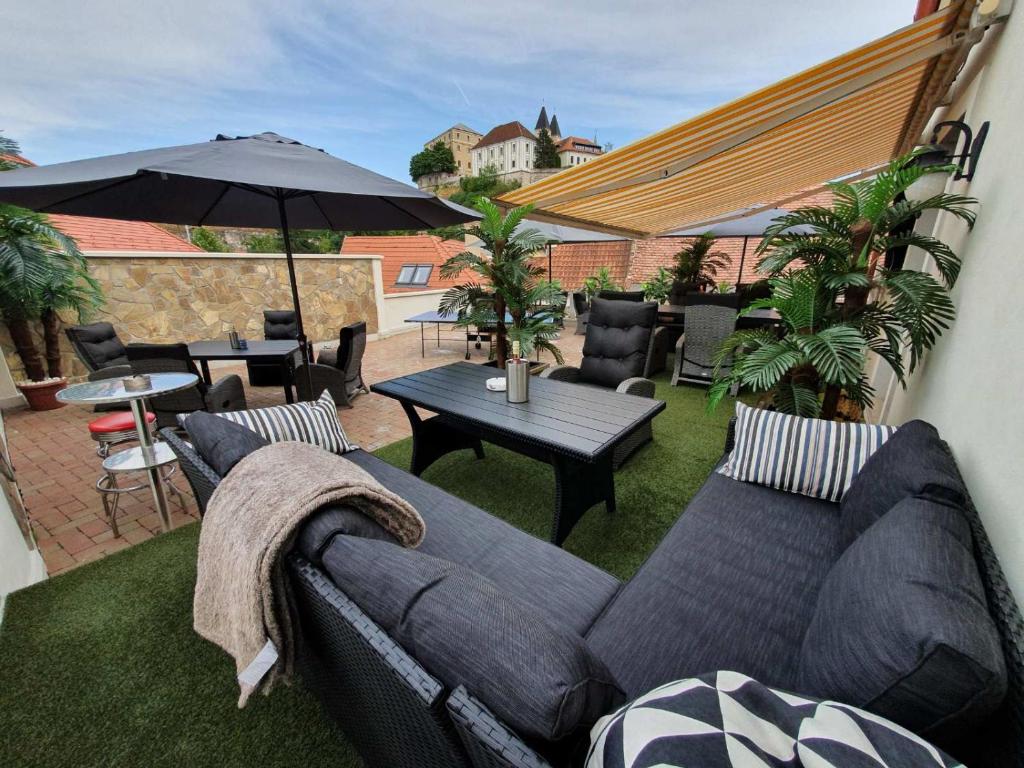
437,319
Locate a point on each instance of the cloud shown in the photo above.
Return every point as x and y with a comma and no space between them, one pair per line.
372,81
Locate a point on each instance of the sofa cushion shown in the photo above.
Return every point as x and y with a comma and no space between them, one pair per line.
915,462
724,720
618,338
219,442
732,585
536,675
570,590
902,626
317,533
813,457
314,422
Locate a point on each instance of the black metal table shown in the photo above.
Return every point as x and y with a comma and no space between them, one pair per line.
675,315
279,351
572,427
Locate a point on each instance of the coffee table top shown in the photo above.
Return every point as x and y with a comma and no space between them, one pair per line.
569,419
113,391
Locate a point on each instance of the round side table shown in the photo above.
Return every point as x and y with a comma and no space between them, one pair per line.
146,457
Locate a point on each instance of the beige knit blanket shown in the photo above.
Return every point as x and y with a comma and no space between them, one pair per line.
241,598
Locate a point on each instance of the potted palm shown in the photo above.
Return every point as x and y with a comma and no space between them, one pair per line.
42,273
838,300
697,265
601,280
506,291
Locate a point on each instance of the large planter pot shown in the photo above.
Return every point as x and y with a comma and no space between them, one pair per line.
42,395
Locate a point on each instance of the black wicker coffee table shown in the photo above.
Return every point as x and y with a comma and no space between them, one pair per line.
573,428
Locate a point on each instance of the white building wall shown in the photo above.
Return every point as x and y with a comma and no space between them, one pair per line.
399,306
970,386
507,156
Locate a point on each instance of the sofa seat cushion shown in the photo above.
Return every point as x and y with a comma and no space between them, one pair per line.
618,340
902,627
726,720
913,462
534,673
732,585
569,589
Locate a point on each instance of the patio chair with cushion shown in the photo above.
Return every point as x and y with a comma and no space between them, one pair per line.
890,600
278,325
100,350
581,307
226,394
707,326
339,371
617,354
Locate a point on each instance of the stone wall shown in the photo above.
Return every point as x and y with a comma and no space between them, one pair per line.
188,297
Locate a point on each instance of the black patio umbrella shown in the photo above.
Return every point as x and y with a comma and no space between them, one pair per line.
264,180
752,225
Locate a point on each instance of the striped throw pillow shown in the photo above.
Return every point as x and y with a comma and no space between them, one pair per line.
315,423
813,457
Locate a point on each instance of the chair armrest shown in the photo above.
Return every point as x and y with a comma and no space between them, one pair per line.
490,744
200,475
636,386
568,373
324,377
226,394
328,357
111,372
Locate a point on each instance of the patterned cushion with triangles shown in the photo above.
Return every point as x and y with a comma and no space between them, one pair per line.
725,719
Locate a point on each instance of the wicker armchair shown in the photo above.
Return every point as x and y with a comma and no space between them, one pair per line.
227,394
339,371
707,326
618,353
278,324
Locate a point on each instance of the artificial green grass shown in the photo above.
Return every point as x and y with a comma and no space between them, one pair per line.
100,667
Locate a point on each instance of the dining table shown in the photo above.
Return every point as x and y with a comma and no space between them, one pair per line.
269,351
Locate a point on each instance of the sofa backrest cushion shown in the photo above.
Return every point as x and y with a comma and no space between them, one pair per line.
618,341
539,678
332,520
915,462
219,442
813,457
902,627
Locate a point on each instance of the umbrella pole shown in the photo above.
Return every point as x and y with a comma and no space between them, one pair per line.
549,262
743,256
303,343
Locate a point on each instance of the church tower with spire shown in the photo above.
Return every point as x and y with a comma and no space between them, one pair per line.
553,129
542,121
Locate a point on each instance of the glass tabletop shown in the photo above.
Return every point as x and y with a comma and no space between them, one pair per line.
113,391
140,457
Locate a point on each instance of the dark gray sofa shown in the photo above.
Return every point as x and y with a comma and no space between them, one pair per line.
733,585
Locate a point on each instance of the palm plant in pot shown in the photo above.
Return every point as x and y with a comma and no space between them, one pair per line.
42,273
838,300
507,291
697,265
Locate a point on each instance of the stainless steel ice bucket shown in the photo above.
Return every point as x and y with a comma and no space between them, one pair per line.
517,381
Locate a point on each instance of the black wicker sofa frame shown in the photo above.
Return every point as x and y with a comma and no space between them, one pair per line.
398,715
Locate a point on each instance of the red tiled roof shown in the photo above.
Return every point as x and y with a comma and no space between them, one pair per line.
93,234
569,142
398,250
572,263
17,160
500,133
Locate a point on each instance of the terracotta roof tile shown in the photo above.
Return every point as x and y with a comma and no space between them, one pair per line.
94,234
398,250
569,141
501,133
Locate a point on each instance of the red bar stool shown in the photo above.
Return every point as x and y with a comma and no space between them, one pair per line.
114,428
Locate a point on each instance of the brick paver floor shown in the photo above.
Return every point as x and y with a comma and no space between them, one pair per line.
57,465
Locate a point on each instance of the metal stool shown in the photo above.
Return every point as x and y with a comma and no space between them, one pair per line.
158,456
114,428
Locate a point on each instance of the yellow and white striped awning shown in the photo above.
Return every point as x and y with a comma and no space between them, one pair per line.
850,114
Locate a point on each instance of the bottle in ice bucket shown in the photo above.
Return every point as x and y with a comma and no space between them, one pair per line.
517,377
233,337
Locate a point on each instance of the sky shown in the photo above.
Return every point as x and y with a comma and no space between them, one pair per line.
371,82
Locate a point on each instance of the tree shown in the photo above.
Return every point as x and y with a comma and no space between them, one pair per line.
208,240
486,184
697,265
546,154
435,159
507,281
838,301
264,242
